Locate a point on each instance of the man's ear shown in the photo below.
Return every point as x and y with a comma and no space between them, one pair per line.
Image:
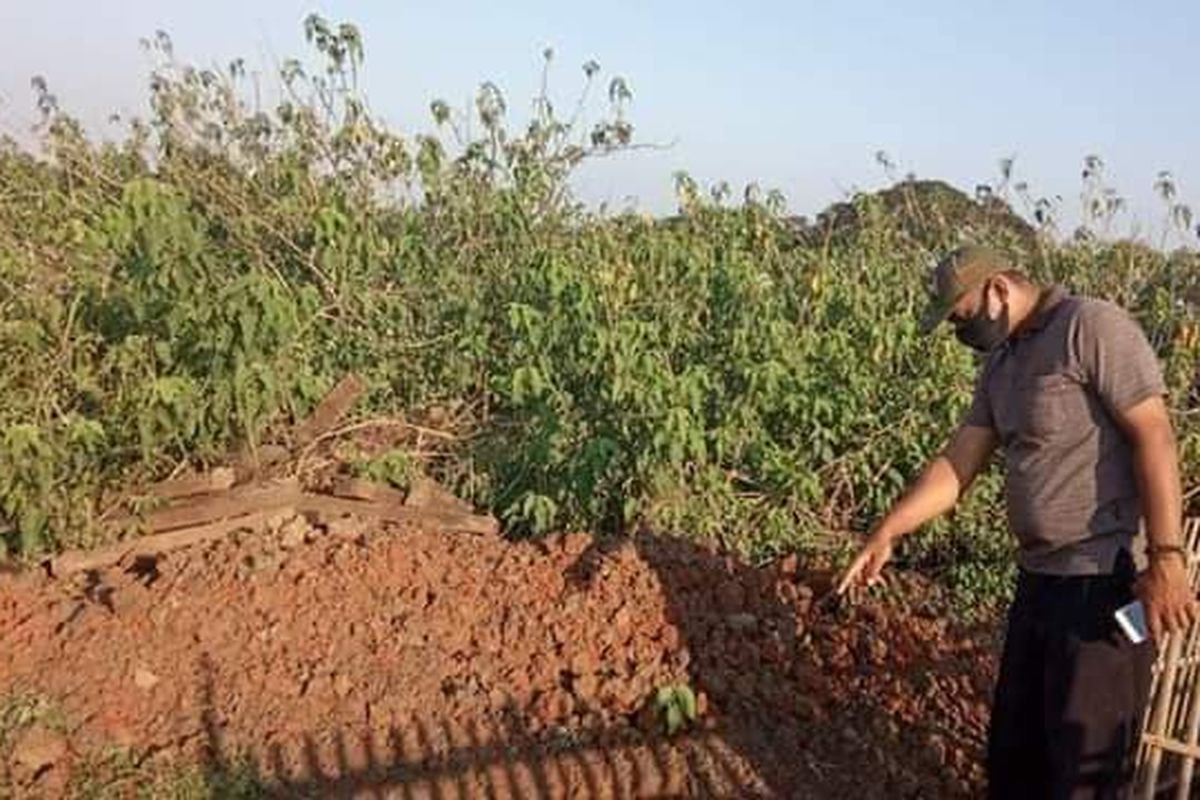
996,293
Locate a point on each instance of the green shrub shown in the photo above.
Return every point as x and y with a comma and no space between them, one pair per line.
200,284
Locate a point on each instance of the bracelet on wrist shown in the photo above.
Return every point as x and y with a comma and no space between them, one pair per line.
1157,551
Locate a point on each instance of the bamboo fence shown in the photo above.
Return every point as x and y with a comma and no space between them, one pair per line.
1170,743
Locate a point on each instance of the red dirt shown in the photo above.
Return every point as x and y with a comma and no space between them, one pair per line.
404,663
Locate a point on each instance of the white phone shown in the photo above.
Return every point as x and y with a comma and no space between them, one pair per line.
1132,620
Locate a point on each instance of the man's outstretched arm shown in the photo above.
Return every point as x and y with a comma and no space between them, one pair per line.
934,493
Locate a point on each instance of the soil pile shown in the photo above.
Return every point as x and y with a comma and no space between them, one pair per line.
385,660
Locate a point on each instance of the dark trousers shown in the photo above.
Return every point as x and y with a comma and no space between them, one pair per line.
1068,707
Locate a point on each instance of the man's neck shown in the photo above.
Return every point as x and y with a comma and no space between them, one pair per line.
1025,305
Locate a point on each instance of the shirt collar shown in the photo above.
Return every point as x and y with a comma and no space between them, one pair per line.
1043,312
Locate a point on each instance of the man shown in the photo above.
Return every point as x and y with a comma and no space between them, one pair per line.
1072,392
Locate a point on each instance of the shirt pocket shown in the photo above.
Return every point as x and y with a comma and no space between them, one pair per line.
1053,405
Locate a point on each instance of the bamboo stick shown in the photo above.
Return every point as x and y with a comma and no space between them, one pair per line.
1190,750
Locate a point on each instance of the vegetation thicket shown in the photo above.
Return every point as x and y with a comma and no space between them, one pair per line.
729,372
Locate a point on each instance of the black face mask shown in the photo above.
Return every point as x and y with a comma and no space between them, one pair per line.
981,332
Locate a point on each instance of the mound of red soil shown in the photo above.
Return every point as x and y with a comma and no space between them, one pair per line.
402,663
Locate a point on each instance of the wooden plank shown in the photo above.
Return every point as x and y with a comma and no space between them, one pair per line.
428,493
268,496
359,489
217,480
252,461
391,512
331,409
77,560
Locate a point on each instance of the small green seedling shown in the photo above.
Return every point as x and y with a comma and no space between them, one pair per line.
677,706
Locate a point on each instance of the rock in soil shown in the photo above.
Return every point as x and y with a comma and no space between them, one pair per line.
36,750
293,533
348,528
145,679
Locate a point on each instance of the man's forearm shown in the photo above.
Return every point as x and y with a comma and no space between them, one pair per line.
934,493
1156,463
1169,599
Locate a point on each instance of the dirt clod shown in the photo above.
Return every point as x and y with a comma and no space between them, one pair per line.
293,533
742,623
346,528
36,750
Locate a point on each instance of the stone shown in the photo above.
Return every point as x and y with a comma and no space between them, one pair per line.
586,687
144,679
276,521
38,749
742,623
293,533
347,528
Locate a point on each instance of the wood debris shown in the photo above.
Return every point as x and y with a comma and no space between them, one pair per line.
206,506
330,410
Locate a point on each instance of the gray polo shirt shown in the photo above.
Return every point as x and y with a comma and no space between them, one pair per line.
1050,395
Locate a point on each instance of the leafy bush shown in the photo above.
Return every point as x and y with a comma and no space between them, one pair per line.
201,283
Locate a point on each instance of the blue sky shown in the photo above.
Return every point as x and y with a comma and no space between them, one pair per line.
796,96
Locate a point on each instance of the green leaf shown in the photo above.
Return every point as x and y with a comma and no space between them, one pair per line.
687,702
674,719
